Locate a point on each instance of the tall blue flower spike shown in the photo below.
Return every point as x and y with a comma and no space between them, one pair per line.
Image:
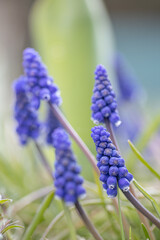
51,124
127,83
40,84
104,103
111,165
24,112
68,182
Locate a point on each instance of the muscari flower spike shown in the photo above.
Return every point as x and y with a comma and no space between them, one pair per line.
51,124
68,182
127,82
111,165
104,103
24,113
40,84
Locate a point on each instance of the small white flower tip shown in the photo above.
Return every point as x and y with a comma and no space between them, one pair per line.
118,123
82,196
125,189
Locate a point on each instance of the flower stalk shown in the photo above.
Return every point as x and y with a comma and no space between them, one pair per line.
128,194
43,159
87,222
58,114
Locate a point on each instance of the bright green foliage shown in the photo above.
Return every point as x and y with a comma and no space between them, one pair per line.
140,157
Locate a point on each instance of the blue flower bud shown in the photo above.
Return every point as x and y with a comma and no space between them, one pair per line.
129,177
105,186
121,162
103,100
104,160
113,161
122,172
113,171
112,182
112,193
103,178
123,184
104,169
59,193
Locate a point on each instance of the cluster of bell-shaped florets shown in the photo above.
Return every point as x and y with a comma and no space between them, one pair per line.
126,79
51,124
40,84
24,112
104,105
68,182
111,165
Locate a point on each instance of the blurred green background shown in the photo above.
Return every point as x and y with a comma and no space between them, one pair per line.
73,36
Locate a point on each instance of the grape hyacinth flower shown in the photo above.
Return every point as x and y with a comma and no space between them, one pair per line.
104,105
111,165
68,182
127,83
40,84
51,124
24,113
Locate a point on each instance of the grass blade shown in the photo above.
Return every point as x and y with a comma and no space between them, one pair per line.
140,157
10,227
120,217
2,201
70,223
36,220
148,196
130,233
145,232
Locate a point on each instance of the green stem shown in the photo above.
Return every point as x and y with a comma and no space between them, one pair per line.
44,160
70,223
38,216
120,217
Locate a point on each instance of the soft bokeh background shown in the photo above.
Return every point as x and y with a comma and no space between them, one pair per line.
72,41
72,37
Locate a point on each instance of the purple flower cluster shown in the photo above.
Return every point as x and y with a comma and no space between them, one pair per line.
104,104
40,84
127,83
51,124
111,165
68,182
24,112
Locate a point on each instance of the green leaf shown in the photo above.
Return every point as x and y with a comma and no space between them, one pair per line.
120,217
10,227
130,233
148,196
70,222
38,216
145,232
150,130
140,157
5,200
